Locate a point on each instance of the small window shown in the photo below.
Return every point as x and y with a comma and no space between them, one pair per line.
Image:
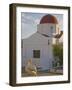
48,42
21,43
36,53
51,29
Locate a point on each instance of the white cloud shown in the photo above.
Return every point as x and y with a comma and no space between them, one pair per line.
37,21
27,30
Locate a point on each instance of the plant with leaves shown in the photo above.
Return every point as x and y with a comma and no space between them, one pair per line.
58,54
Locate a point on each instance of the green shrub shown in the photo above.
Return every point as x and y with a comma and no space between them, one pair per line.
58,53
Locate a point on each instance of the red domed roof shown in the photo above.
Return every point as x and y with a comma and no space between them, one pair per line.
49,19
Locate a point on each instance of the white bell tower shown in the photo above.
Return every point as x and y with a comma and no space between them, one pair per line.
49,27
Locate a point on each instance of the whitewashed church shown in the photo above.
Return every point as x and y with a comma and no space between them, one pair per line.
38,46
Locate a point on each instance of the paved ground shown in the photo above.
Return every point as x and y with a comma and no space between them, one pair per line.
24,74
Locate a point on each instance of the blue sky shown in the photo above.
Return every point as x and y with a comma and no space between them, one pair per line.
29,22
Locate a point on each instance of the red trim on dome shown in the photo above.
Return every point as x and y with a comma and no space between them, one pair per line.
49,19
